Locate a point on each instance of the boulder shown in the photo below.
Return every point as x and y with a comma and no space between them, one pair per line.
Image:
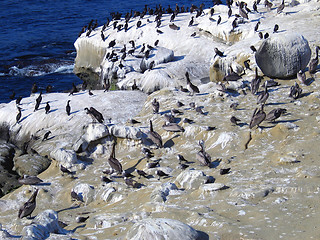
45,223
283,55
157,55
85,192
191,179
161,228
161,193
65,157
96,131
30,164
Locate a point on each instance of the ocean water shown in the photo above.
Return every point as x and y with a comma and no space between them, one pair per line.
37,36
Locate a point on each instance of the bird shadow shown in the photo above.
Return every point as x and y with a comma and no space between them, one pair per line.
69,208
202,94
131,169
275,104
43,184
306,94
25,117
74,112
53,110
215,163
309,81
80,226
177,58
170,143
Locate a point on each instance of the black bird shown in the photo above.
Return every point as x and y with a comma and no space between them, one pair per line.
202,156
255,8
199,110
47,108
219,20
132,43
112,43
76,197
29,206
258,116
234,105
224,171
12,95
218,52
139,24
113,162
68,108
295,91
18,117
268,4
181,158
246,64
253,48
18,100
192,87
147,152
155,106
141,173
154,136
232,76
260,34
95,114
266,35
73,90
133,121
172,127
34,88
102,36
156,42
46,135
276,28
81,219
257,26
161,174
187,120
229,12
234,23
173,16
191,22
242,12
106,179
29,180
275,113
131,183
235,120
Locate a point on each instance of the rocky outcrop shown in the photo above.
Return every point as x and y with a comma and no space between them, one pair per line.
161,228
191,179
30,164
42,226
283,55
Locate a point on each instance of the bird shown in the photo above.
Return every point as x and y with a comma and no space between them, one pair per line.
81,219
180,104
153,164
75,196
242,12
106,179
262,98
191,22
260,34
193,88
224,171
38,101
18,100
18,117
47,108
154,136
172,127
130,182
29,206
169,118
113,162
219,20
276,28
235,120
102,36
181,158
133,121
161,173
199,110
112,43
246,64
46,135
232,76
234,23
139,24
141,173
255,8
274,114
314,62
68,108
73,90
202,156
266,35
234,105
301,76
218,52
229,12
280,7
257,26
29,180
34,88
295,91
257,117
255,83
155,106
253,48
95,114
268,4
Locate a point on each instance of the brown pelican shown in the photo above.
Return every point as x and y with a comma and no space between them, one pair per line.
314,62
274,114
255,83
113,162
73,90
172,127
232,76
29,180
155,106
154,136
262,98
130,182
28,206
257,117
193,88
281,7
242,12
235,120
96,115
202,156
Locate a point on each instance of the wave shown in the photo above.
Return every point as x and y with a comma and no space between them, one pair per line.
34,70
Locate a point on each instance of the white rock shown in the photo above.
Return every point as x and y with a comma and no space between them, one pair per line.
212,187
65,157
191,179
85,191
283,55
126,132
161,229
45,223
107,194
161,193
96,131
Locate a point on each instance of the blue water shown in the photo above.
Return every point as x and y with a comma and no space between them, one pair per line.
37,36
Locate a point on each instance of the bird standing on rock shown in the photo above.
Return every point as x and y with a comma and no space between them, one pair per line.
155,106
202,156
193,88
47,108
113,162
29,206
68,108
154,136
257,117
95,114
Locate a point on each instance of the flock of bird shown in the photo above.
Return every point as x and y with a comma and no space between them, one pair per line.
170,125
